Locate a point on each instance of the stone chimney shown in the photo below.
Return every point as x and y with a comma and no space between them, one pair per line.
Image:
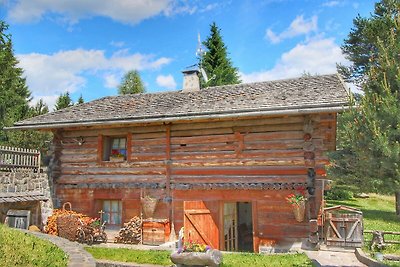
191,80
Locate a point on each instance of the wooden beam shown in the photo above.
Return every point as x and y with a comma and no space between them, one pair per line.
168,169
128,147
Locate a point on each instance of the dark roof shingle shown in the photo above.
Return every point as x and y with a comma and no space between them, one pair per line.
322,91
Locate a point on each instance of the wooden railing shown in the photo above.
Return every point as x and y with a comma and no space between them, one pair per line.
383,233
14,159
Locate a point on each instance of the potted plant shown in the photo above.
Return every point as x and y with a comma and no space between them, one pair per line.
116,156
298,202
195,254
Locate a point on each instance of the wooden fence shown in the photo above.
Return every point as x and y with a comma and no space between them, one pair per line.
383,233
13,159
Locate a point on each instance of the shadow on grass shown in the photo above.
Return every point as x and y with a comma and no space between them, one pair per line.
386,216
344,203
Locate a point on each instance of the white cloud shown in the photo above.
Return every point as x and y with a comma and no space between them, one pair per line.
125,11
299,26
180,7
166,81
117,44
111,80
316,56
331,3
50,75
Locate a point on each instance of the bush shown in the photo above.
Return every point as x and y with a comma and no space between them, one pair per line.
340,192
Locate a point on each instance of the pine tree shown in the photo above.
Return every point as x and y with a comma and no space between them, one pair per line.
361,46
39,109
80,100
14,94
131,84
216,63
31,138
63,101
373,130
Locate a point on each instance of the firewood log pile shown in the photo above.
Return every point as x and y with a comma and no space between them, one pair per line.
131,232
64,223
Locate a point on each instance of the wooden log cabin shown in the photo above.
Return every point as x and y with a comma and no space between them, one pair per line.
221,160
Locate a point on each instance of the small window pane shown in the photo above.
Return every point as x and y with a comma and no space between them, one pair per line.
115,143
112,211
114,206
106,206
106,217
122,142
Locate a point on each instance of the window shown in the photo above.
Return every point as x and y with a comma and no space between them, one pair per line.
112,211
114,149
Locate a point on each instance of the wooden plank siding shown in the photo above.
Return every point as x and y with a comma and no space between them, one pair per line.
252,150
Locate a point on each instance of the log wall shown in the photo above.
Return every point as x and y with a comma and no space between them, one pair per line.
170,159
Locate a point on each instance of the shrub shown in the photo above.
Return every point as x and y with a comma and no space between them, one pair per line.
340,192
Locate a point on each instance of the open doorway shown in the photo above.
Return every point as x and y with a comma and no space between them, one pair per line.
238,226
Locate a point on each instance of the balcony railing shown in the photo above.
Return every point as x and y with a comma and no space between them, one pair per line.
14,159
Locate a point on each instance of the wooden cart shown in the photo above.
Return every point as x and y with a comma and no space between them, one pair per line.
89,235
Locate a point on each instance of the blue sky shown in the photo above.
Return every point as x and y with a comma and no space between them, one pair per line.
85,47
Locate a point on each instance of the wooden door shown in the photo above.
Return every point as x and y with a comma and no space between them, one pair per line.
344,230
230,227
200,226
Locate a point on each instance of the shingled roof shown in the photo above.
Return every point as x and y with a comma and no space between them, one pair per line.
299,95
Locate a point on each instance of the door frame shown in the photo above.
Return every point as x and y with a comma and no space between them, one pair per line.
254,222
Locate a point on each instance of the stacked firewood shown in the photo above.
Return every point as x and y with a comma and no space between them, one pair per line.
131,233
64,223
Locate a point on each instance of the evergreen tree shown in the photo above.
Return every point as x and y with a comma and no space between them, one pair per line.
39,109
360,48
215,61
14,94
63,101
131,84
371,132
80,100
31,138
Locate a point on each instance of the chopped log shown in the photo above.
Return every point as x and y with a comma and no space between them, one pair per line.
131,232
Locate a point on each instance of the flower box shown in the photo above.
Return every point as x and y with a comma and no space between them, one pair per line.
117,159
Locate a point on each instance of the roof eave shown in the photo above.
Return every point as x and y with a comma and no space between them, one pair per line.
296,111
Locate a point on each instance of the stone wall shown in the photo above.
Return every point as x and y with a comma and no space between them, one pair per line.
25,182
12,182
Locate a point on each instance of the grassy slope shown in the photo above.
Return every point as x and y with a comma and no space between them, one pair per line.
20,249
230,260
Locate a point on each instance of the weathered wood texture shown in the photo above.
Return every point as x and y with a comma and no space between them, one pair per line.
228,151
257,150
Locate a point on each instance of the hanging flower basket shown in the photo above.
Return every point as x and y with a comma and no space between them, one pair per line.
149,205
299,211
298,202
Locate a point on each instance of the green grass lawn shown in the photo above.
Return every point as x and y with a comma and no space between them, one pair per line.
230,260
20,249
379,214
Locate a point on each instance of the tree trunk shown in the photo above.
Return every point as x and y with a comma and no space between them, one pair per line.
397,194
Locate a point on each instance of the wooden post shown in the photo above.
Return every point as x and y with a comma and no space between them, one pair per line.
129,147
168,170
99,148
